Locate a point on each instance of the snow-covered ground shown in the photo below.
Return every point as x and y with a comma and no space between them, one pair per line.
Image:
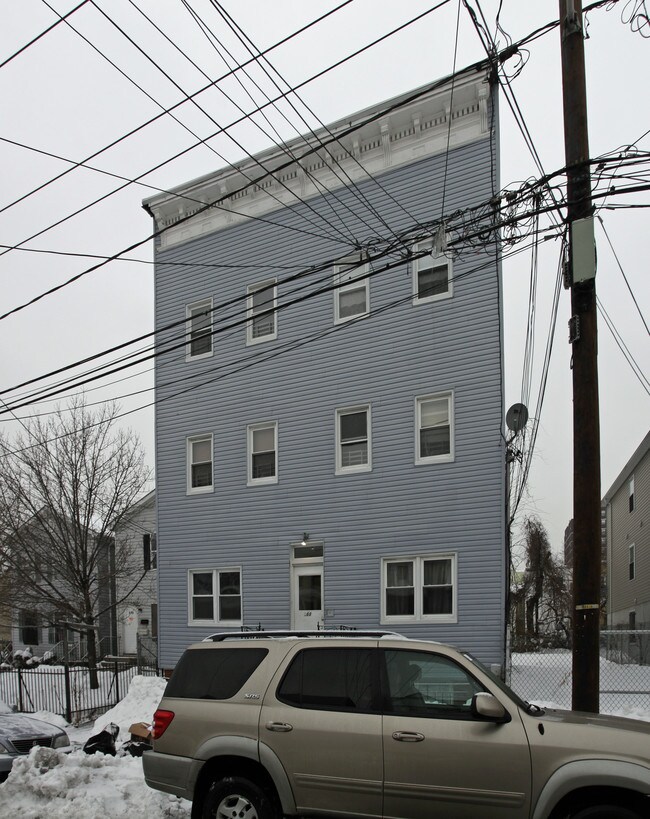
50,783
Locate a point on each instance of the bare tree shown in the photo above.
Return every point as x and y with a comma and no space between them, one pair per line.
540,599
65,484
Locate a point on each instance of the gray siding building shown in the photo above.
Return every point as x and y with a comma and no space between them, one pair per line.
329,416
628,543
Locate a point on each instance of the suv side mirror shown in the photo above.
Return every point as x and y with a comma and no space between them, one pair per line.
488,707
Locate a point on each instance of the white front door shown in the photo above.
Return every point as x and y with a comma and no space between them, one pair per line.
307,598
130,625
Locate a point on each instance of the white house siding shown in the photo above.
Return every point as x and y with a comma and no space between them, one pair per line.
386,361
139,602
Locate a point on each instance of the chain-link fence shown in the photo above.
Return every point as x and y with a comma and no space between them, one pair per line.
543,675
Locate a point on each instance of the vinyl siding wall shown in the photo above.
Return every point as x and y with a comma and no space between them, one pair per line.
624,528
385,361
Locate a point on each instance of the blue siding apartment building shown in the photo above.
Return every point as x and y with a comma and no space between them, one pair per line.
329,417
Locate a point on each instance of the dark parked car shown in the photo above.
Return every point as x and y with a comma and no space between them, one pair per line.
20,733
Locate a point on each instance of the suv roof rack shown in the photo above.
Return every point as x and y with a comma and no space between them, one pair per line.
260,635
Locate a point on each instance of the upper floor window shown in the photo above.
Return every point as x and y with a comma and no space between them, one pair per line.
149,552
215,597
199,464
261,312
199,329
431,274
630,488
434,428
353,444
419,588
262,453
351,297
632,556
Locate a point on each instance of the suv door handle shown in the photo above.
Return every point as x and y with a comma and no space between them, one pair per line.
408,736
282,727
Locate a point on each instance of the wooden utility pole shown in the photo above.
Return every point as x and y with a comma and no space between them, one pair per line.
583,337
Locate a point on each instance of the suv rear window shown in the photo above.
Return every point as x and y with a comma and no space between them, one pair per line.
336,678
215,674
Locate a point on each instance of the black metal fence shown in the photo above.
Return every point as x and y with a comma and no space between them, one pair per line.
66,690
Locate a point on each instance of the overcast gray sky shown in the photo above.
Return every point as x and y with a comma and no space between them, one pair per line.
61,96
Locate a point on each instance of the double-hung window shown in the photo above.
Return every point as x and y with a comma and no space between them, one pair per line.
262,453
434,428
432,279
149,551
351,297
419,588
199,464
199,329
261,312
215,597
630,490
353,440
632,563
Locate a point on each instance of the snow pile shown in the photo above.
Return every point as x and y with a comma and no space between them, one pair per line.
50,783
138,706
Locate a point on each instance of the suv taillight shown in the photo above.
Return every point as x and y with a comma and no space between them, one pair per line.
161,721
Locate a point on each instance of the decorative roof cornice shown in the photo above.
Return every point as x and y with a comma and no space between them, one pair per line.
394,133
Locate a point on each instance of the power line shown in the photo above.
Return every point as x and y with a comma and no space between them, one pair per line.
620,267
351,129
313,134
488,211
43,33
264,356
201,90
204,142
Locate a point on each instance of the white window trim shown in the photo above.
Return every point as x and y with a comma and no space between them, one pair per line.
250,291
215,597
351,470
418,562
435,459
250,429
360,280
192,439
631,566
204,304
418,248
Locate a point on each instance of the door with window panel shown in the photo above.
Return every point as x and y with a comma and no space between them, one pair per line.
307,608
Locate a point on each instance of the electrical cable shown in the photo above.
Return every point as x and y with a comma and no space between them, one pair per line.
625,279
634,365
193,101
256,52
43,33
160,231
154,119
462,237
262,356
279,142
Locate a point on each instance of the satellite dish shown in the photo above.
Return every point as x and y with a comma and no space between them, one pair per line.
517,417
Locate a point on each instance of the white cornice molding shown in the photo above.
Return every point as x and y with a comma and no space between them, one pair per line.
407,134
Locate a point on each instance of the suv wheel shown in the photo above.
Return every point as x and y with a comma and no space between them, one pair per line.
234,797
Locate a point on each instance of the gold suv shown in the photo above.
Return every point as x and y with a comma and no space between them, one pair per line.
369,724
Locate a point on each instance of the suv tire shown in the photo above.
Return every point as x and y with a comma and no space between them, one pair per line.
235,797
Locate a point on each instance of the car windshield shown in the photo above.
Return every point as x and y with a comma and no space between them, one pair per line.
501,685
